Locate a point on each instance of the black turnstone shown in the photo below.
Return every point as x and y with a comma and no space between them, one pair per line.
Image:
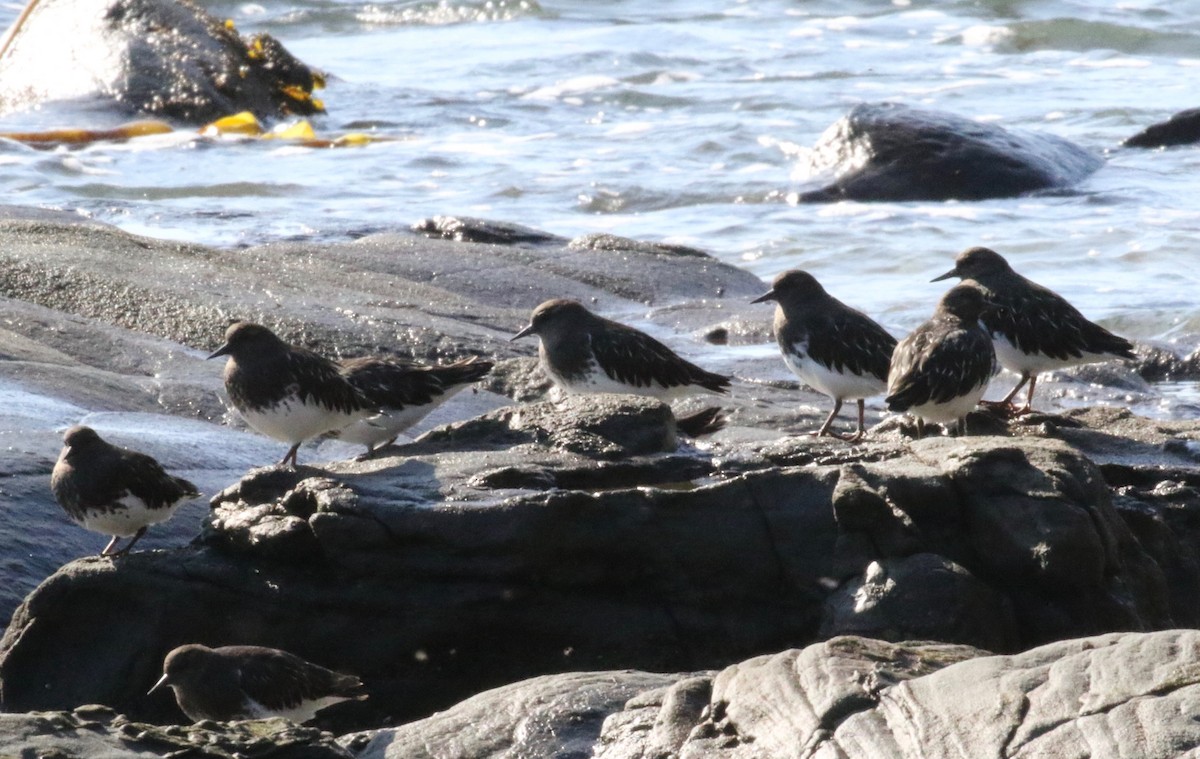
405,392
114,491
835,349
286,392
939,372
585,353
252,682
1033,328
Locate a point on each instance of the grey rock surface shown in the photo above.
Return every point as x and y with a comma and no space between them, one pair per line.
400,292
1120,695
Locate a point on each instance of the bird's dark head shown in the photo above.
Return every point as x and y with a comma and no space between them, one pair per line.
966,301
79,438
182,664
975,263
553,318
246,339
793,286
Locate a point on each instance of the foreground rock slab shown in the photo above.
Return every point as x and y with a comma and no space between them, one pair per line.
1120,696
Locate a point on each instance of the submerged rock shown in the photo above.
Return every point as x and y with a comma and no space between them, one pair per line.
116,52
888,151
1181,129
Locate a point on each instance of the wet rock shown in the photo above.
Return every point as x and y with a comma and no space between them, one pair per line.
119,55
888,151
1157,363
398,293
1181,129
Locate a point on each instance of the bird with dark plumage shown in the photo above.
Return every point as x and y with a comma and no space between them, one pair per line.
835,349
112,490
287,392
405,393
940,371
582,352
252,682
1033,328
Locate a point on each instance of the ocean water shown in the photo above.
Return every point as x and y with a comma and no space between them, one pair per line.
688,122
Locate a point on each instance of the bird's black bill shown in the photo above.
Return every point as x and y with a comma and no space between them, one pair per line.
768,295
222,351
527,331
947,275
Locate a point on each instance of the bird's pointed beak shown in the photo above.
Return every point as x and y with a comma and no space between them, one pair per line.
527,331
161,682
222,351
952,273
768,295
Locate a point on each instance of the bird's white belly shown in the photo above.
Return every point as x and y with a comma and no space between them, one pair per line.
596,381
1014,360
300,713
125,522
292,421
392,422
945,413
836,385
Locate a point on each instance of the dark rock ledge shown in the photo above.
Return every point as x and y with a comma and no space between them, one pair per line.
498,549
586,545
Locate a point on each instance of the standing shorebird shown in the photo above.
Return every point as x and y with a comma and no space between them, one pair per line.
252,682
835,349
114,491
1033,328
939,372
286,392
585,353
404,392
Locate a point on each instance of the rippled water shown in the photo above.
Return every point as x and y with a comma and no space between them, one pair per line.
684,122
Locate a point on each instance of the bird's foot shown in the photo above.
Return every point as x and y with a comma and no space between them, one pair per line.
849,437
1005,409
